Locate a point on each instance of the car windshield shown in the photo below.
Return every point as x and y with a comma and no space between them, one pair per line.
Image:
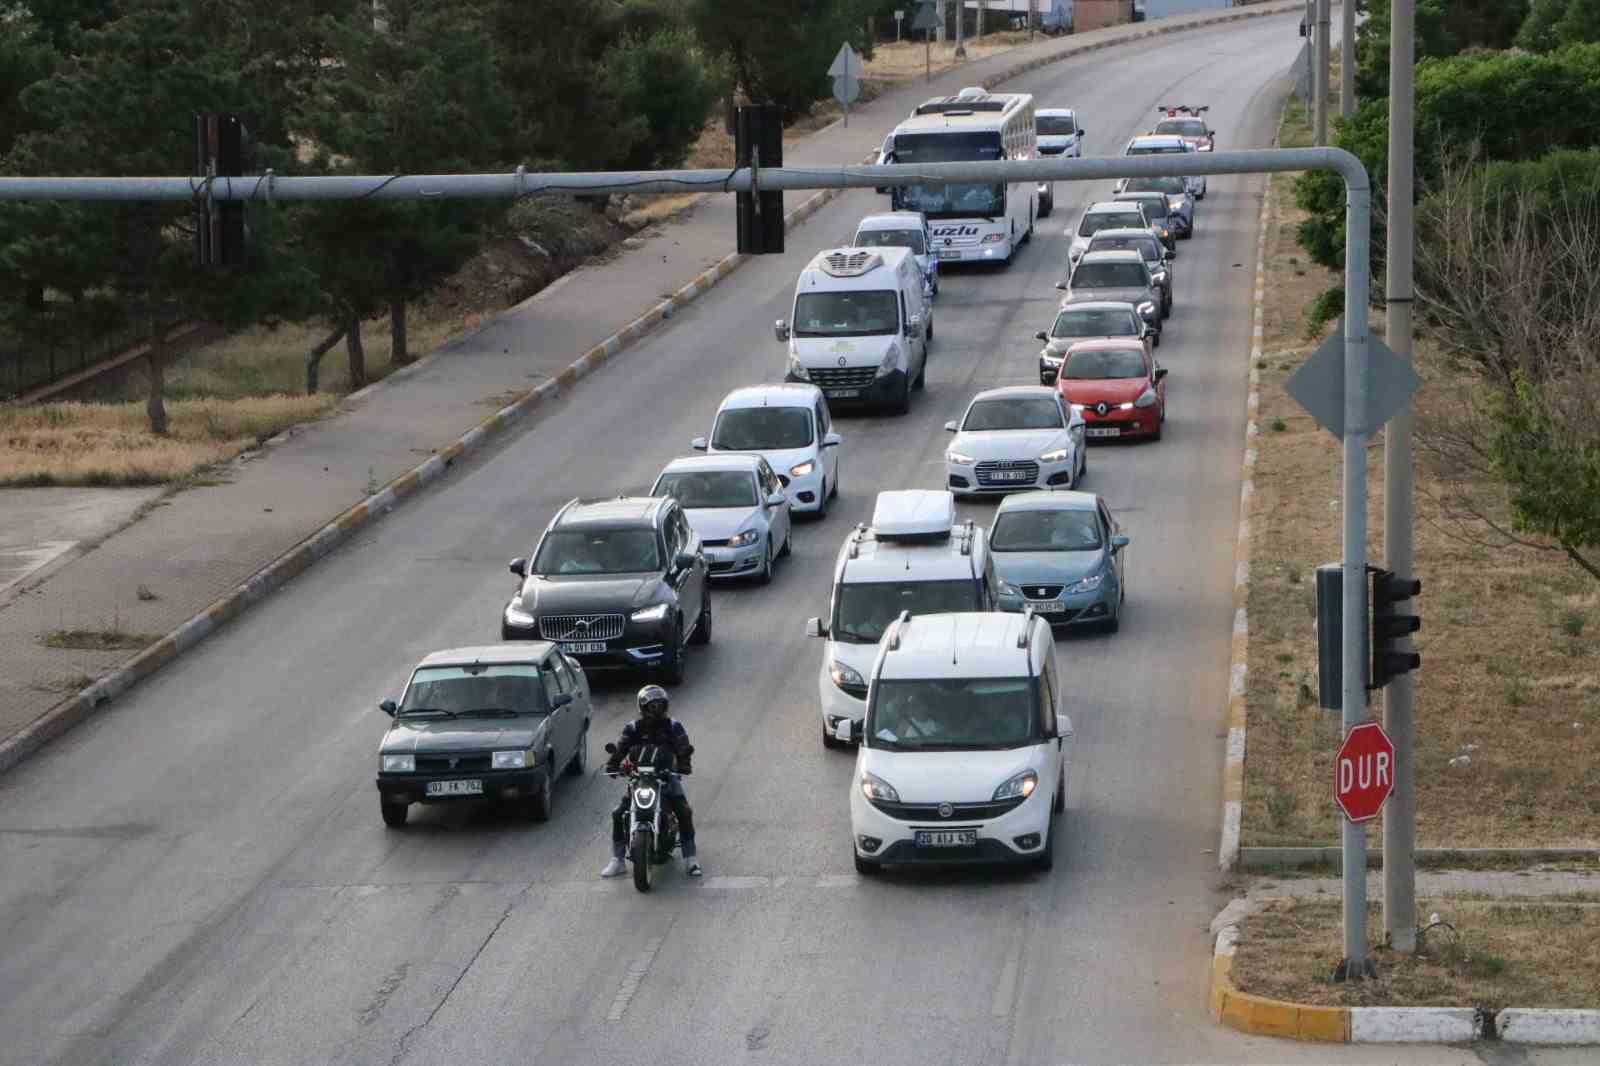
1170,186
464,691
1022,412
892,238
1170,149
761,429
847,314
1155,207
863,610
1095,222
952,714
1108,322
708,488
1104,365
1109,276
1182,127
1146,246
1045,531
1056,125
597,551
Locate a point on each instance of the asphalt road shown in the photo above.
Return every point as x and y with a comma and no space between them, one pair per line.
201,875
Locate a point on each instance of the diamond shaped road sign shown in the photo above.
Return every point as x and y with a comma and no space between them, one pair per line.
926,19
846,63
1319,385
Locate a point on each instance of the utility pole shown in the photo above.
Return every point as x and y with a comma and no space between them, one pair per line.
939,7
1347,61
1400,820
961,48
1320,75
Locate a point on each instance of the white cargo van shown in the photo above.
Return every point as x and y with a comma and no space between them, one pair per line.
861,327
902,229
913,557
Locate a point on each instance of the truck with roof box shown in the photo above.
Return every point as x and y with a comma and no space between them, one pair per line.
861,327
913,557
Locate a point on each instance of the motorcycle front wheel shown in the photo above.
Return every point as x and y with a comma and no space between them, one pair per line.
643,857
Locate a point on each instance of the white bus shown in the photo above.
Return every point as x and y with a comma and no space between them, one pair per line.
971,222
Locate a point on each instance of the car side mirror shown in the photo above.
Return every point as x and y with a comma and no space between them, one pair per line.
1041,336
698,444
949,427
1061,285
1119,542
682,561
913,325
780,328
1063,726
1161,372
776,499
388,707
611,749
1167,257
816,628
519,566
832,440
844,732
560,700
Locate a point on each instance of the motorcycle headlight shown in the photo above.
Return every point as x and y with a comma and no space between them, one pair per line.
1147,398
511,760
1022,785
516,616
649,614
845,676
1086,584
644,796
1057,456
959,459
891,359
398,764
797,369
739,540
1147,308
876,788
802,469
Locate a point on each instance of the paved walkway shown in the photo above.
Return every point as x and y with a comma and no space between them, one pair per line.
197,545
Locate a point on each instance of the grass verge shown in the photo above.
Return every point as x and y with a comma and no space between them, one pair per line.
1508,697
1491,955
97,640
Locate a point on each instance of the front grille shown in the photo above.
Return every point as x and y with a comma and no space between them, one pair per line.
715,543
436,764
1113,423
986,471
581,626
723,567
1041,592
959,812
1051,151
844,377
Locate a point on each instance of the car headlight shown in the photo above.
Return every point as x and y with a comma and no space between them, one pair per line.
959,459
398,764
797,369
1050,360
1147,308
649,614
739,540
1022,785
891,359
1175,203
802,469
1147,398
1086,584
1008,589
845,676
516,615
1205,148
1057,456
511,760
993,238
876,788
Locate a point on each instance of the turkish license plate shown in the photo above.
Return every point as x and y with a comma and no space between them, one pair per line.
583,647
949,253
1106,431
843,394
1010,475
455,788
947,838
1047,606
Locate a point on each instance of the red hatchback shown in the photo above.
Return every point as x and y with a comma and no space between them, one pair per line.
1117,385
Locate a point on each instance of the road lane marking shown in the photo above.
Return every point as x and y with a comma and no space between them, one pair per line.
637,969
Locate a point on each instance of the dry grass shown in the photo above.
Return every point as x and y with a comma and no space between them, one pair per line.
1509,678
910,59
1500,954
109,444
97,640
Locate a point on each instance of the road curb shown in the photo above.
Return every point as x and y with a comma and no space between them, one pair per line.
1530,1025
1285,857
86,703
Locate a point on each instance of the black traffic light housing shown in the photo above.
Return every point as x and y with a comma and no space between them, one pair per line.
1390,628
758,143
224,147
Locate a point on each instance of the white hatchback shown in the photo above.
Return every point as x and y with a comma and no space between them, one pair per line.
790,427
1016,438
962,755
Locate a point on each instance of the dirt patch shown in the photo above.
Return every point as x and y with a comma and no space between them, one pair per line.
906,60
1489,955
97,640
1508,698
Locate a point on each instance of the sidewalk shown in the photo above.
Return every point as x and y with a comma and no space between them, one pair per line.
196,546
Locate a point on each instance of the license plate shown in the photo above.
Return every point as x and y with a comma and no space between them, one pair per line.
455,788
843,394
1110,431
1047,606
947,838
949,253
1010,475
584,647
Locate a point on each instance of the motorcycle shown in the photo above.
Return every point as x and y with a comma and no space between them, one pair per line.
652,827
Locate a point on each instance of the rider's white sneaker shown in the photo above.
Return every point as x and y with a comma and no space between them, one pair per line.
692,867
614,868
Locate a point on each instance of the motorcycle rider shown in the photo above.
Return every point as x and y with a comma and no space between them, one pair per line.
653,728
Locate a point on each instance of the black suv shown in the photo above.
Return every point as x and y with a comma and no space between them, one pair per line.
618,584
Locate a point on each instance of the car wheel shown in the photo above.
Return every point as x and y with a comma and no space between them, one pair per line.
1049,206
672,661
1166,309
822,502
1061,796
788,542
702,627
1114,623
1157,434
866,867
1155,339
902,402
539,805
394,814
578,765
922,374
1045,861
764,575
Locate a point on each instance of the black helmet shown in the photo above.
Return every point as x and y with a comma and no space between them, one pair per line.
654,701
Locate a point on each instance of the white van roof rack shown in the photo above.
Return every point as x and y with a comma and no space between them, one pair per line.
850,262
914,514
895,627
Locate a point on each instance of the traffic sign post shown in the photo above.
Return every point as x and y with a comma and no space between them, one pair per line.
899,19
845,71
925,21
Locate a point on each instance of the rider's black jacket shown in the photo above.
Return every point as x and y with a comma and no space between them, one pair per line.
667,733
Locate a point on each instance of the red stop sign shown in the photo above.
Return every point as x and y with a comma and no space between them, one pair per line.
1363,774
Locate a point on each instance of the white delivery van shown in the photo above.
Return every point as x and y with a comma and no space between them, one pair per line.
861,327
902,229
913,557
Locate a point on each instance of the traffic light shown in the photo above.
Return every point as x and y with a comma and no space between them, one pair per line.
1390,627
758,143
224,148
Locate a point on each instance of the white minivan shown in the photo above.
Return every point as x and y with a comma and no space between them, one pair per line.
790,427
902,229
913,557
861,327
962,755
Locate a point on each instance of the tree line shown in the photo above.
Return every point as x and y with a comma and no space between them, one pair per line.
1507,238
108,87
